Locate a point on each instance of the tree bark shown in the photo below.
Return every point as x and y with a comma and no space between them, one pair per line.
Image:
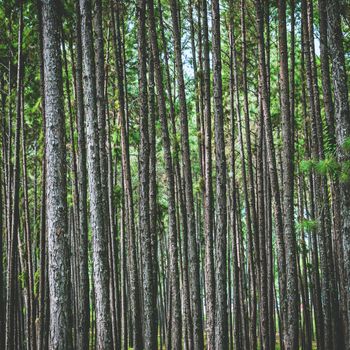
191,230
208,189
342,128
83,301
13,198
221,324
150,310
99,231
56,202
291,340
175,315
281,256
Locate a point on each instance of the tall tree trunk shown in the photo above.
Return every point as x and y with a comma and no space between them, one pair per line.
238,336
28,239
193,254
99,232
13,215
42,339
56,201
208,192
187,323
291,340
249,188
152,181
281,256
129,205
150,310
261,190
329,113
83,286
2,290
221,324
325,71
175,314
342,129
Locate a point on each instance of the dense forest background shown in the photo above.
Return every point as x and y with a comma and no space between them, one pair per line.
175,174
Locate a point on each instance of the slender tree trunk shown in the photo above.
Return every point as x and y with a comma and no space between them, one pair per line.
129,206
152,183
2,290
28,239
208,192
250,192
291,341
56,202
187,323
175,289
99,231
221,325
13,226
329,113
83,286
325,71
281,254
261,190
238,336
193,254
342,128
150,310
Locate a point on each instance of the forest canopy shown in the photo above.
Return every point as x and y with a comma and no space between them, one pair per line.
175,174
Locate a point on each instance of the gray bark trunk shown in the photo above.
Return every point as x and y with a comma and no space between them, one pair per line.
291,339
99,231
149,314
83,301
221,321
342,128
208,192
175,315
191,230
56,200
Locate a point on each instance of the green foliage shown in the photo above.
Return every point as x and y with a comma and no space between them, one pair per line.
36,281
199,185
22,277
346,145
345,171
306,225
36,106
327,166
118,192
306,165
309,266
134,136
